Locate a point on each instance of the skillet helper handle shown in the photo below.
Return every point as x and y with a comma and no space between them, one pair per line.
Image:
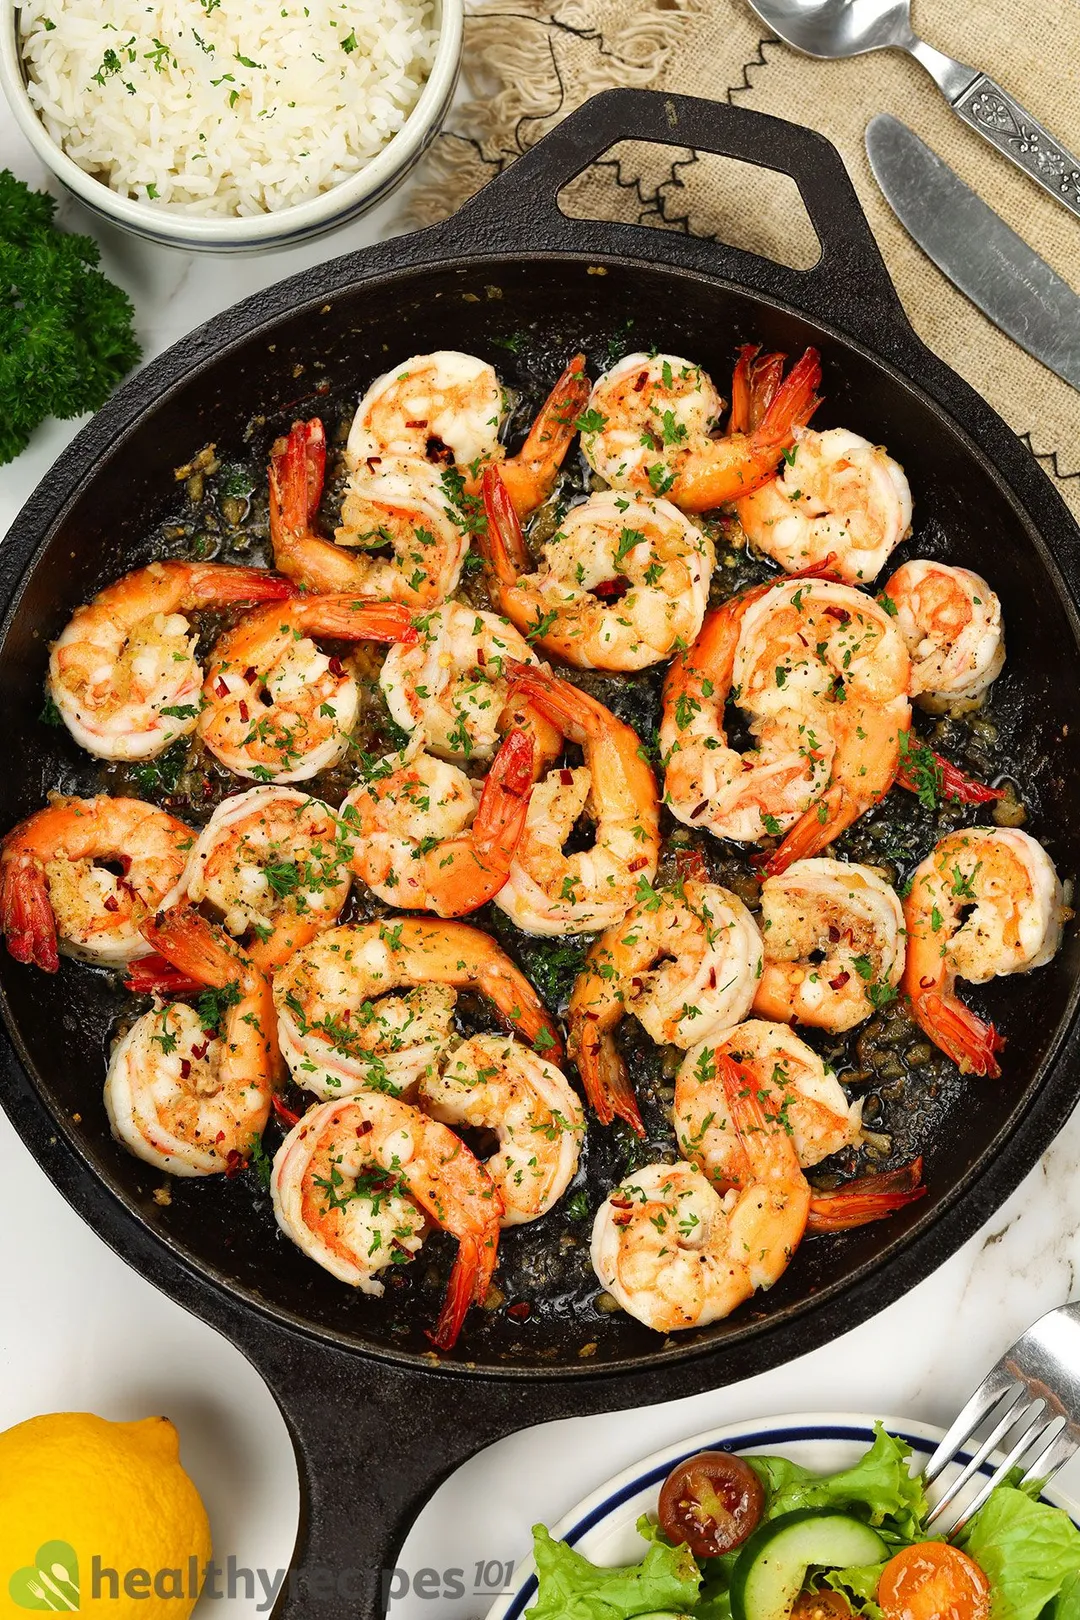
849,287
372,1442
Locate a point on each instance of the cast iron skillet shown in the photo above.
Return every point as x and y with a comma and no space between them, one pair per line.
375,1419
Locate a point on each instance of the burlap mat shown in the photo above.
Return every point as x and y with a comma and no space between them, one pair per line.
529,63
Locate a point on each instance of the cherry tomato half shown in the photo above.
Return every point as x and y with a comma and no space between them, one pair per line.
824,1605
933,1581
711,1502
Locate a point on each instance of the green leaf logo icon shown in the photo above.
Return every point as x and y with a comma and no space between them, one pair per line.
51,1582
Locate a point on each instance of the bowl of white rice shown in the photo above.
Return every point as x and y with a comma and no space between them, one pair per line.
230,125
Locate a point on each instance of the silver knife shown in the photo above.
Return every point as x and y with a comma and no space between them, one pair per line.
975,248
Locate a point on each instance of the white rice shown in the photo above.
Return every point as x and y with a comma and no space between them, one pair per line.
225,107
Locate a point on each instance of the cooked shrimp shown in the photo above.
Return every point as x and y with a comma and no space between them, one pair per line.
448,407
834,656
188,1096
342,1027
686,962
275,707
495,1083
707,783
951,621
427,839
675,1253
549,891
985,901
81,877
622,584
644,418
124,675
790,1081
355,1183
452,683
651,426
273,863
834,944
837,499
397,512
445,406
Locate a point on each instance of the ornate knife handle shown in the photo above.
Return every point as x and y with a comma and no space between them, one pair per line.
1005,124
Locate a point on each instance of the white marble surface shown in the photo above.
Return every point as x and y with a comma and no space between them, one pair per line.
78,1330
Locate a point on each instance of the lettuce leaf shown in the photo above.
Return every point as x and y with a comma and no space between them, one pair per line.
858,1583
1030,1553
571,1588
881,1483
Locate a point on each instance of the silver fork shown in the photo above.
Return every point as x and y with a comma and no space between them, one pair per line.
1031,1402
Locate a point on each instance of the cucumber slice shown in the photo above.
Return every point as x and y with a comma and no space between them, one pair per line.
771,1568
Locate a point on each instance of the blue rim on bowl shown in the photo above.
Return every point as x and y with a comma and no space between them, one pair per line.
611,1511
343,202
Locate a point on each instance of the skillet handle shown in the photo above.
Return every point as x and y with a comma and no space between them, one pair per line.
372,1442
849,287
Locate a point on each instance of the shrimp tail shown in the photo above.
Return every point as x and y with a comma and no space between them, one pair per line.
869,1198
605,1077
530,475
26,914
195,947
470,1279
502,542
947,779
753,387
353,619
958,1032
745,1113
297,471
792,404
217,585
153,975
504,803
814,829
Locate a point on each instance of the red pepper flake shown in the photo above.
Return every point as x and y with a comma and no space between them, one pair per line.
834,933
841,979
418,423
699,810
243,711
620,1201
926,984
622,1220
839,613
637,863
712,978
481,657
221,687
566,777
364,1127
199,1052
612,590
185,1069
521,1311
249,675
642,379
336,667
373,462
112,903
234,1163
284,1113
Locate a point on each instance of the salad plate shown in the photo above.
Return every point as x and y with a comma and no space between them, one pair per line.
602,1527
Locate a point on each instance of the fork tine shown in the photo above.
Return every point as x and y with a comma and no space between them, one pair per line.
1032,1433
1054,1455
1007,1413
977,1409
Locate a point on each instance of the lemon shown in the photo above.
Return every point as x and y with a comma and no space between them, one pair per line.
98,1517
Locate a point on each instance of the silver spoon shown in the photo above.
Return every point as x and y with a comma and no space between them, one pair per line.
834,28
